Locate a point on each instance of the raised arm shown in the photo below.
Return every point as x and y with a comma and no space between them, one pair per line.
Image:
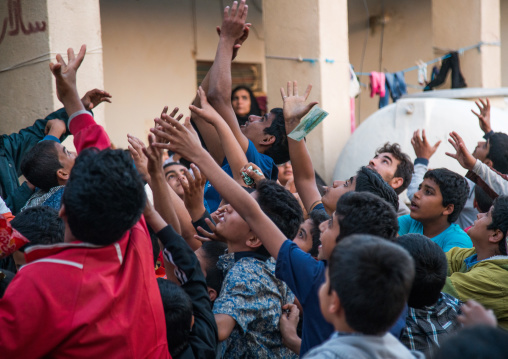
232,149
423,151
303,170
484,116
182,140
219,93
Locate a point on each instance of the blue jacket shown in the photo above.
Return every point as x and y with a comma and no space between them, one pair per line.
12,149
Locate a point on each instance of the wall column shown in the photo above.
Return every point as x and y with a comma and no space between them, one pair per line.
317,30
464,23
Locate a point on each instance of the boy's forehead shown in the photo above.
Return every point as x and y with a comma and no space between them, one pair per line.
429,182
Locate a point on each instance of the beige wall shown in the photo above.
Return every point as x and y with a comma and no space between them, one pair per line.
504,43
150,57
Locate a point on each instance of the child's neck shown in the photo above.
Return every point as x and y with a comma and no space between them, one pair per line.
435,227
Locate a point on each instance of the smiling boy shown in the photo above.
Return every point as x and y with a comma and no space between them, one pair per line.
437,204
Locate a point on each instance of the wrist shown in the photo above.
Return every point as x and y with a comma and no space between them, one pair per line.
197,213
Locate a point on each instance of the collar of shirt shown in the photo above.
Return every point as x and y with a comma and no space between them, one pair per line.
338,334
227,261
471,261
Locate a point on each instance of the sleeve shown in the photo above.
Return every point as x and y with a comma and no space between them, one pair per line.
188,272
17,144
202,223
18,198
491,178
264,162
421,166
455,258
404,224
299,270
87,133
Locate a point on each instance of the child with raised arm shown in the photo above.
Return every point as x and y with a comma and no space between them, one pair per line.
357,213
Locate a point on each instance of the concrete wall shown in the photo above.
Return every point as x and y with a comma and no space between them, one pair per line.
150,52
504,43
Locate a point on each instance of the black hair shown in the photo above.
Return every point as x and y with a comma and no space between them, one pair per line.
104,196
500,220
405,167
40,165
366,213
498,151
178,313
281,207
453,187
214,276
368,180
40,225
317,217
6,278
254,106
166,165
279,150
366,269
483,200
476,342
431,268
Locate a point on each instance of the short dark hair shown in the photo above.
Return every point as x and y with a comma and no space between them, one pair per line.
166,165
279,150
317,217
366,269
405,167
40,165
483,200
475,342
40,225
498,152
430,269
214,276
453,187
280,206
368,180
500,220
366,213
104,196
178,313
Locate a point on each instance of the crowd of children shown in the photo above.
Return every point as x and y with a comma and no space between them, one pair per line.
187,246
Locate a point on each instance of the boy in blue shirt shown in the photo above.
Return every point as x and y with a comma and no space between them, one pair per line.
437,204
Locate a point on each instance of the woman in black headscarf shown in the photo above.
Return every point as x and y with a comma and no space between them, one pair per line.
244,104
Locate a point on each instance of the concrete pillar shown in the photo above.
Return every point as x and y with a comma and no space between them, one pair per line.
35,31
312,29
460,24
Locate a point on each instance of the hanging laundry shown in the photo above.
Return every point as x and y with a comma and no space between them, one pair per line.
395,87
435,72
377,84
449,63
354,84
353,114
422,72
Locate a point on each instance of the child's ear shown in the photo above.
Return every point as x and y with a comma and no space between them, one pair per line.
63,175
254,242
488,162
335,305
212,293
61,213
448,209
496,236
267,140
396,182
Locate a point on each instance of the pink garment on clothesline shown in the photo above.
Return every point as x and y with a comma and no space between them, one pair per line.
377,84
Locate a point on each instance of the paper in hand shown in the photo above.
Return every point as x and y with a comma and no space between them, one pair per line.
308,123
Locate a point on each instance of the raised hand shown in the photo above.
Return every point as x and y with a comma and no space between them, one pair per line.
65,75
294,105
206,112
136,148
209,236
95,97
178,138
55,128
484,115
288,323
154,156
233,22
193,192
254,172
422,147
239,42
462,155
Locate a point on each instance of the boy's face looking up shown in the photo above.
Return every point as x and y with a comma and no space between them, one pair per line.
172,173
254,128
329,232
386,165
303,238
333,193
481,151
427,203
65,157
478,231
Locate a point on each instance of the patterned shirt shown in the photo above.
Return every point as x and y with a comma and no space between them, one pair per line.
253,296
427,327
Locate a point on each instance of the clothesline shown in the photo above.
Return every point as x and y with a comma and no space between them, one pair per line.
460,51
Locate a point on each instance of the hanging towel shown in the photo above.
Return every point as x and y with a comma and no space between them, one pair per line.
422,73
377,84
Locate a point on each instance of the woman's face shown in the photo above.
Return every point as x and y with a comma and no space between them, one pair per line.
241,102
